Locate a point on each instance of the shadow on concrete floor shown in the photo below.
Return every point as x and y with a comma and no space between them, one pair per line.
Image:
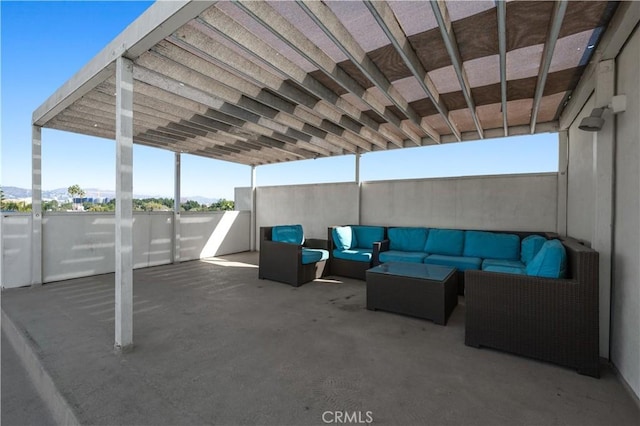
216,345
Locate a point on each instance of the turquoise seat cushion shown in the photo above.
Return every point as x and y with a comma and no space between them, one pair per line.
550,262
448,242
343,237
407,239
402,256
359,255
313,255
530,246
492,245
505,269
367,235
488,263
287,234
462,263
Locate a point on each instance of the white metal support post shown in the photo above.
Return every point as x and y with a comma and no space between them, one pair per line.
603,173
357,180
176,210
253,208
124,205
36,205
563,166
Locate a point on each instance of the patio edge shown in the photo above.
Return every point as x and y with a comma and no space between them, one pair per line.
47,390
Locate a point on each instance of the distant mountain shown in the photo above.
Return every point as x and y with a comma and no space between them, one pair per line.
199,199
12,192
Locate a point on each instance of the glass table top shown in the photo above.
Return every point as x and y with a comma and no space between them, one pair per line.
413,270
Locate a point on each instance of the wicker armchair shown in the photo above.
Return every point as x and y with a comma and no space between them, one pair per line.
352,268
554,320
282,262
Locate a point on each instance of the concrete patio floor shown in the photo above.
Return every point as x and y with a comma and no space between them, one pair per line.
216,345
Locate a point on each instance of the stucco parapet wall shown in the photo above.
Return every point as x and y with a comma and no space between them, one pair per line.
207,213
474,177
307,185
88,213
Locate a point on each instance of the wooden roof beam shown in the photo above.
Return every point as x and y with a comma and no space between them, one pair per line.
335,30
215,22
198,74
446,29
560,7
501,10
174,85
157,22
180,122
187,111
385,17
264,14
200,44
205,64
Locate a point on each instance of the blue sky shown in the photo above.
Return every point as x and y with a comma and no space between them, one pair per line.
44,43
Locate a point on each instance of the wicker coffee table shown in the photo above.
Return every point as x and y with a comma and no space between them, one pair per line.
415,289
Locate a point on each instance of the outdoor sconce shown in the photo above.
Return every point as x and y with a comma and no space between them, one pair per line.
594,122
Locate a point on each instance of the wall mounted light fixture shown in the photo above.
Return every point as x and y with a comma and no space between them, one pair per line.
595,121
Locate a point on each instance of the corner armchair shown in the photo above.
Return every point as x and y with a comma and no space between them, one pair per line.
285,255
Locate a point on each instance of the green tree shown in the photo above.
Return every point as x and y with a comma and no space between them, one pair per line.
191,205
76,192
222,204
98,208
50,206
151,206
20,206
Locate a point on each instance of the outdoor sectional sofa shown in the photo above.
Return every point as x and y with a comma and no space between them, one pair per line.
461,249
530,294
551,319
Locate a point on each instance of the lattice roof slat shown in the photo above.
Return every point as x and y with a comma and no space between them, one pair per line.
260,83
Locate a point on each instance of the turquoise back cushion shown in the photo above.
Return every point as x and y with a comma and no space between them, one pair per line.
445,241
550,262
492,245
367,235
530,246
344,237
407,239
287,234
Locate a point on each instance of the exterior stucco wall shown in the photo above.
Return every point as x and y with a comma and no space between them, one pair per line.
625,300
580,180
213,234
315,207
242,199
15,232
512,202
526,202
83,244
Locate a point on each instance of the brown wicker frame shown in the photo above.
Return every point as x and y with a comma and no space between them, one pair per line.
283,262
554,320
352,268
418,297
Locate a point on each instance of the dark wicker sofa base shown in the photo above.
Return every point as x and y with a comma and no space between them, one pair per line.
348,268
554,320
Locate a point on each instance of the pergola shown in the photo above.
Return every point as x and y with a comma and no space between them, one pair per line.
267,82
